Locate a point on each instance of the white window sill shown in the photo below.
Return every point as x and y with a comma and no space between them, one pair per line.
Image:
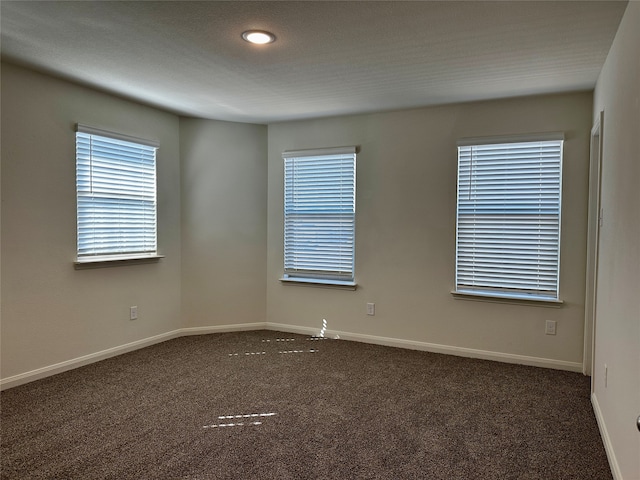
319,282
114,261
517,299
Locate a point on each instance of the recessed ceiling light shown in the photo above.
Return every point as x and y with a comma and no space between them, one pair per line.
258,37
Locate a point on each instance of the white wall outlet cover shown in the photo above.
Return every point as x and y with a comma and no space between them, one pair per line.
550,327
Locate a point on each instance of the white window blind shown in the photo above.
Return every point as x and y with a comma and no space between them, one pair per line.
319,214
116,195
508,218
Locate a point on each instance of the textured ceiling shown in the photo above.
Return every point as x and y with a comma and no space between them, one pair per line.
330,58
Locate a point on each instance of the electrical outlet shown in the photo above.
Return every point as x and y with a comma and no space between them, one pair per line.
133,313
550,327
371,308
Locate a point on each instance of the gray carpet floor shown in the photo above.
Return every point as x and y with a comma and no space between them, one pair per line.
269,405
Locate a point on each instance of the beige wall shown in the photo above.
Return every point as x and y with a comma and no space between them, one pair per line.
618,301
220,224
51,312
224,222
405,233
212,227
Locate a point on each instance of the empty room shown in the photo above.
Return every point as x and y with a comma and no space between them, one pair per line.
320,240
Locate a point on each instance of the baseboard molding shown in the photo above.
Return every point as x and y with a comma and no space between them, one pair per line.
434,348
242,327
282,327
43,372
606,440
56,368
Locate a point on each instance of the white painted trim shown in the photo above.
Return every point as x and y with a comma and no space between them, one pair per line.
606,440
283,327
241,327
435,348
56,368
533,137
118,136
320,151
529,300
43,372
593,236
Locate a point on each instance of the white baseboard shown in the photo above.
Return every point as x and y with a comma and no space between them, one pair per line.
435,348
281,327
43,372
242,327
606,440
56,368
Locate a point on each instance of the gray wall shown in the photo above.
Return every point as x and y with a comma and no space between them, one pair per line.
617,299
221,228
51,312
405,230
224,222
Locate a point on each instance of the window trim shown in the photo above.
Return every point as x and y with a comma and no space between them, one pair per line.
318,282
308,278
486,294
82,128
99,262
529,137
531,300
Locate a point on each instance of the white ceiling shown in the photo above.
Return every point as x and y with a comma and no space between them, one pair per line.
330,58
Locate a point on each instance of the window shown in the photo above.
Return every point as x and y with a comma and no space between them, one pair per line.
319,215
508,217
116,196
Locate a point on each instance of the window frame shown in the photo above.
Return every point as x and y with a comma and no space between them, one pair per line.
493,293
345,197
117,256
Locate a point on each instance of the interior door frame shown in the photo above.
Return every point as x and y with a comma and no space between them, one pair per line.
593,235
